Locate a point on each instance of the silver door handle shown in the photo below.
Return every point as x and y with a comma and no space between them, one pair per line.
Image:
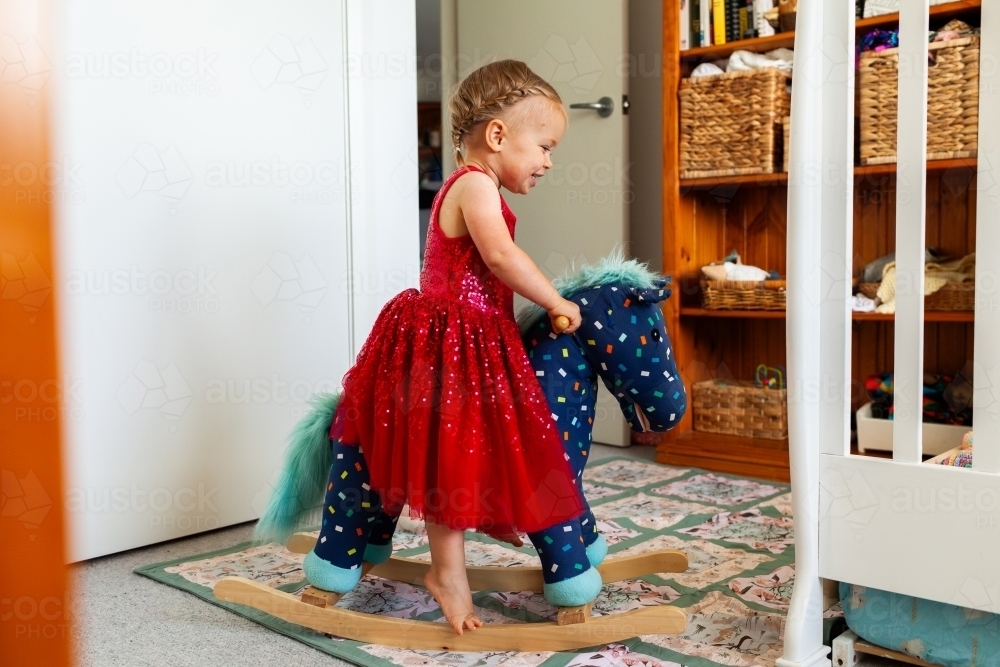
603,106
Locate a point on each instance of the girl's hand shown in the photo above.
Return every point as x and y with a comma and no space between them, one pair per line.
569,310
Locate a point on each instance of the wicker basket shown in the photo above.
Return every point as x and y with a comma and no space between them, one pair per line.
952,296
952,108
740,408
729,122
743,294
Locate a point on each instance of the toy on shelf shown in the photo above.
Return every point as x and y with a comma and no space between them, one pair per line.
624,342
772,377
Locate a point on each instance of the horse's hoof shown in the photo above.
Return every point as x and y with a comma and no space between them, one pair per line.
597,550
328,577
574,591
376,554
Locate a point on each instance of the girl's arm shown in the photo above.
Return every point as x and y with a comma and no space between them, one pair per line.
480,204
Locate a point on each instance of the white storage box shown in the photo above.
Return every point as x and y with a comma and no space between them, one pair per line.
877,434
881,7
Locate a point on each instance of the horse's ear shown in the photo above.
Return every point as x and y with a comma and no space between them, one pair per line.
650,294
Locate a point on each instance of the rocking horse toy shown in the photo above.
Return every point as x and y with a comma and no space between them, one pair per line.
623,341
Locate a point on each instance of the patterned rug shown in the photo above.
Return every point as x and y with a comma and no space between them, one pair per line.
737,533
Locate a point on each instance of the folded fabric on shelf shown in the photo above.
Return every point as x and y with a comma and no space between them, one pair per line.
862,304
936,276
872,273
731,267
707,69
740,61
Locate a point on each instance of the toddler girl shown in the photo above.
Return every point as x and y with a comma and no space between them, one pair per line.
442,399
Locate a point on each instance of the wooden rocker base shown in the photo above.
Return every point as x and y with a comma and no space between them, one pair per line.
430,636
517,578
574,628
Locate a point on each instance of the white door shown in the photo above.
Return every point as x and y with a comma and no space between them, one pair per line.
218,196
579,211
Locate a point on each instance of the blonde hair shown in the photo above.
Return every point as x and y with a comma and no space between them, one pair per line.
490,91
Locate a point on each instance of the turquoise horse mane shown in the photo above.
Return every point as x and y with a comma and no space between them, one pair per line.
611,270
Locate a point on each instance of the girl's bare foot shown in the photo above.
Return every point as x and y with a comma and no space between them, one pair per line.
455,598
508,537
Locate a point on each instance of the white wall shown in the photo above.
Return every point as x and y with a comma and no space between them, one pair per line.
217,263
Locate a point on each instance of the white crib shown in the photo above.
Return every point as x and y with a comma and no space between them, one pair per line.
853,521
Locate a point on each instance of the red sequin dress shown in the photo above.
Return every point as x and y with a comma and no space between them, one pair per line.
446,405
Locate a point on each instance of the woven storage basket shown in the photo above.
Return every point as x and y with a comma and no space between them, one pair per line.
952,296
952,102
740,408
729,122
743,294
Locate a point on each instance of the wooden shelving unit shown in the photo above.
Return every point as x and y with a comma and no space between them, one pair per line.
931,316
943,12
875,170
938,13
706,218
767,459
740,314
759,45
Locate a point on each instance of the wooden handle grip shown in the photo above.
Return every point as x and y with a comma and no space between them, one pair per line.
561,323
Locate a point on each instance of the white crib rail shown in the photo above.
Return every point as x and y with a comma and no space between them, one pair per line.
818,323
986,379
911,189
899,525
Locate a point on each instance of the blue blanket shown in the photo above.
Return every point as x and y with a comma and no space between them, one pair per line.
935,632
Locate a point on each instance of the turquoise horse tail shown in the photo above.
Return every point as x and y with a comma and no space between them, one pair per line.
303,478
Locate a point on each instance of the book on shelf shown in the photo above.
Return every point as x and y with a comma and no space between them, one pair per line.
719,21
710,22
706,23
760,7
685,25
693,25
748,28
734,20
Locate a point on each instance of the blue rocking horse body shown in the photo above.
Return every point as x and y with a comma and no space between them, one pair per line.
622,341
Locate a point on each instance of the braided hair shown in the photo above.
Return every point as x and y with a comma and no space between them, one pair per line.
489,91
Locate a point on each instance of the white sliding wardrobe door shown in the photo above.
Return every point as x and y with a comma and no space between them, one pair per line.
206,283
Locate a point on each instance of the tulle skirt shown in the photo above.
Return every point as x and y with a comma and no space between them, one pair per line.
451,419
